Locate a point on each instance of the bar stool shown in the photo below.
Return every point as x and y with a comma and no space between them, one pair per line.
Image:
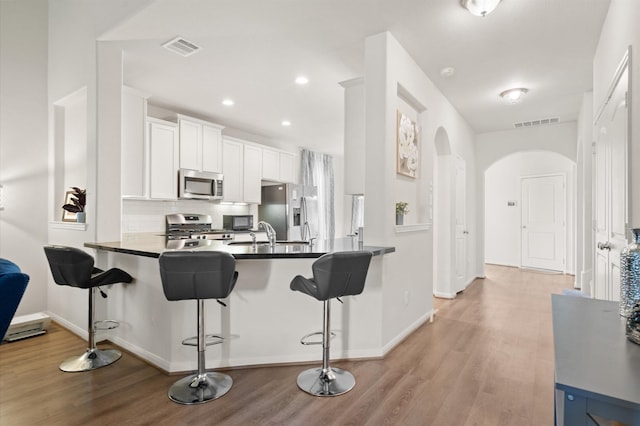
74,267
198,275
334,275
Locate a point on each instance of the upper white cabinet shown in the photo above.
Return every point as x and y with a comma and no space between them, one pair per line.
134,151
232,170
163,159
211,148
200,145
242,170
287,167
278,166
270,164
252,174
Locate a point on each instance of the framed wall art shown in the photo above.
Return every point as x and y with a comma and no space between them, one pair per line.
68,216
407,149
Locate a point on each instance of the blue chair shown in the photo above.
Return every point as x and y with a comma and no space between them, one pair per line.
13,283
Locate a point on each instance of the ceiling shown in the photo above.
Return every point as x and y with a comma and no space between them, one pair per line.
252,51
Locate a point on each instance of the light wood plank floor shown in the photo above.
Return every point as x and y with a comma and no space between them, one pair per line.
486,360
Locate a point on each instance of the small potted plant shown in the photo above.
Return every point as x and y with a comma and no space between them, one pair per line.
78,201
402,208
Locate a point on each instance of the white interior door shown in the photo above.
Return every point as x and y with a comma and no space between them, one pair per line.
461,232
543,222
610,192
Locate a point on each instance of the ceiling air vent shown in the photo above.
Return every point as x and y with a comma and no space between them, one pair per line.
181,46
534,123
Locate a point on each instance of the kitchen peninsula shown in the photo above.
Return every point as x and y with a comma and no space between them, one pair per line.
263,320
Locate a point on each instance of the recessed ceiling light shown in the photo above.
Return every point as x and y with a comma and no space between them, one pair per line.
227,102
286,123
447,71
302,80
513,96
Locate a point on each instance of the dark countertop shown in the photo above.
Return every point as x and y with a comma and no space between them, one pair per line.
151,245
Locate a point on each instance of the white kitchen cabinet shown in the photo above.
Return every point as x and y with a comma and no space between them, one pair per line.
211,148
200,145
163,159
133,160
270,164
287,167
252,174
278,166
232,169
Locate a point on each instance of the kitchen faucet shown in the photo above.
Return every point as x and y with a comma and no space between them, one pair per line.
271,233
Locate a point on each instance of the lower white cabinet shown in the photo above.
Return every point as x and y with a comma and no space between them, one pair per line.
163,159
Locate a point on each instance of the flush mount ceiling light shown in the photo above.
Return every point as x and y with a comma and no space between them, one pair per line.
301,80
480,7
513,96
228,102
286,123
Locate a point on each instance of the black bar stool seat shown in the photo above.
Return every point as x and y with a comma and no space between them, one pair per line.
198,276
334,275
74,267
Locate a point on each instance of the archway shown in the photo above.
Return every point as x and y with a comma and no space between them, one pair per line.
503,205
443,212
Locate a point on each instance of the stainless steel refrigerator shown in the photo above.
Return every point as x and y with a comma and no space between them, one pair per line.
291,209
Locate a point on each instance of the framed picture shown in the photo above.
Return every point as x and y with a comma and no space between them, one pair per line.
407,152
68,216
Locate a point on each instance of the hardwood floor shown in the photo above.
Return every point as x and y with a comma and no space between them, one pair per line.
487,359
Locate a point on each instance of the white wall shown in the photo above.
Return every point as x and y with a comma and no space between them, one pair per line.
502,222
492,146
584,192
409,271
23,143
619,31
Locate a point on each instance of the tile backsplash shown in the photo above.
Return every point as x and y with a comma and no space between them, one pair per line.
149,215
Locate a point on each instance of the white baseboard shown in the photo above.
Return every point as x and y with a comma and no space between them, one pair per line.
407,331
81,332
443,295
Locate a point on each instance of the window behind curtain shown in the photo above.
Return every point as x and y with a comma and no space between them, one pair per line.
317,170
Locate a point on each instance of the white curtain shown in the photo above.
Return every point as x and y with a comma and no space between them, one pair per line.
317,170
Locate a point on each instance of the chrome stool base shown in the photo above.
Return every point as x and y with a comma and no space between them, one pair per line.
317,382
196,389
90,360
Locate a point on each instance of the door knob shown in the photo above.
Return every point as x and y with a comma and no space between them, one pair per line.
604,246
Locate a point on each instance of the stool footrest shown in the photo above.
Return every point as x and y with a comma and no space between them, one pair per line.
105,325
304,340
209,340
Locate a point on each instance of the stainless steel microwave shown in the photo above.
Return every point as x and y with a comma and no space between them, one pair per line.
193,184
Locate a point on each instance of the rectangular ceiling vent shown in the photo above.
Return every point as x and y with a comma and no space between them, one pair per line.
181,46
534,123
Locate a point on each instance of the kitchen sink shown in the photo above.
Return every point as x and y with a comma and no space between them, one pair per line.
263,243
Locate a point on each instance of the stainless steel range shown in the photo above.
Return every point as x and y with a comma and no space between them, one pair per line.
182,226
